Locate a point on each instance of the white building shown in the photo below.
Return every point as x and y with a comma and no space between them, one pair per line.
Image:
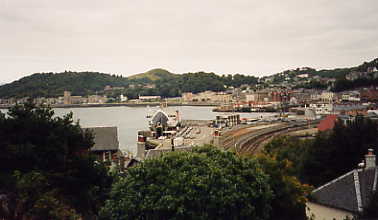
149,98
303,75
322,108
327,96
122,98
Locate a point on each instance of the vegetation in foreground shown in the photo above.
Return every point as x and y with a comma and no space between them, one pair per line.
46,173
330,155
45,169
207,184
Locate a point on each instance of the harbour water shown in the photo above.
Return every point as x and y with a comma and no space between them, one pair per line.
130,120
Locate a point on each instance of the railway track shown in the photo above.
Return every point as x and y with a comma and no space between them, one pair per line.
236,136
249,142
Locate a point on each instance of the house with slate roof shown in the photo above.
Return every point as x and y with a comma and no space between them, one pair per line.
346,195
106,145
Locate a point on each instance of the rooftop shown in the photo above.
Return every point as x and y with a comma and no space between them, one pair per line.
105,138
350,192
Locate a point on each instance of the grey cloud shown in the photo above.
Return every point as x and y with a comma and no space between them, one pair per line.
132,36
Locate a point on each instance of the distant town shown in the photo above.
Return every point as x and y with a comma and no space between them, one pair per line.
275,98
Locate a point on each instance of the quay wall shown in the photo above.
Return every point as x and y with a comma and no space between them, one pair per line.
196,122
154,153
143,104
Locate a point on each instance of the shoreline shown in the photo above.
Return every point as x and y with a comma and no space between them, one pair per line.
121,104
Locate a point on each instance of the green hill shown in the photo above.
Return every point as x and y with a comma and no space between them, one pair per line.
163,82
54,84
153,75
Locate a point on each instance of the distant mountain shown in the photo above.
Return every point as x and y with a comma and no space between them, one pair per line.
153,75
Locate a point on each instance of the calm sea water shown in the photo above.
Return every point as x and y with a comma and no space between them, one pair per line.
130,120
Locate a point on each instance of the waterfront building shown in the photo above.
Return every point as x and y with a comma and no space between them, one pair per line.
187,97
207,96
222,121
97,99
149,98
67,97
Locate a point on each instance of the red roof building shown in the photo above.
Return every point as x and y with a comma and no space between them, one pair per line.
327,123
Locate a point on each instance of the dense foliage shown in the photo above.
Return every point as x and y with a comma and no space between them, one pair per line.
330,154
289,199
337,152
204,184
313,84
54,84
155,82
45,169
343,84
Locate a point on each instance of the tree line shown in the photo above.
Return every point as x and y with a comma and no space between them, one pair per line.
164,84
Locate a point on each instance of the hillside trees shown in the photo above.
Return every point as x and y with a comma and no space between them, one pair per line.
199,82
343,84
45,170
164,84
238,79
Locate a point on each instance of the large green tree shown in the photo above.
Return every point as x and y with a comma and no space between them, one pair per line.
45,169
203,184
289,200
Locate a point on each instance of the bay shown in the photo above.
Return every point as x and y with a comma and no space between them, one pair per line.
130,120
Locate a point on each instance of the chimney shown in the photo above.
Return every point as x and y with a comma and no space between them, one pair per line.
141,147
370,159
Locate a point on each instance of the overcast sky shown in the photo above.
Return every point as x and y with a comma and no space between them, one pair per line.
222,36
